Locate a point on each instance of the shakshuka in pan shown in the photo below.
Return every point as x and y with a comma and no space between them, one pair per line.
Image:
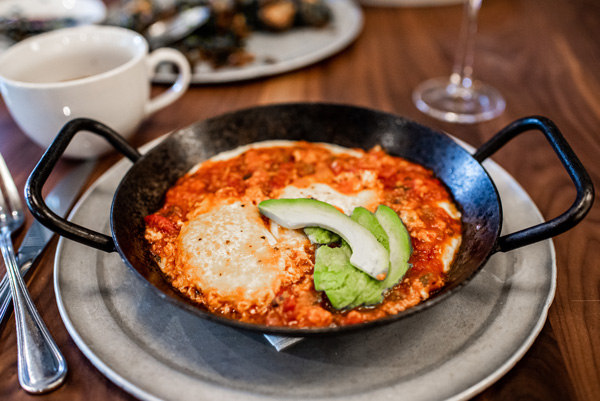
224,239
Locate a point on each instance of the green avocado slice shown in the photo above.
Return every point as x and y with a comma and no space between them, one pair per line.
321,236
399,244
368,220
348,287
367,254
344,285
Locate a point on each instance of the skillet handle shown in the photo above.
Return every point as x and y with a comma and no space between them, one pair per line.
41,172
578,174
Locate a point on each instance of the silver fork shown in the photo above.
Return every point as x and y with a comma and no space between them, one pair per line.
41,366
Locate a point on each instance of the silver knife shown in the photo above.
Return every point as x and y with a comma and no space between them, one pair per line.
37,237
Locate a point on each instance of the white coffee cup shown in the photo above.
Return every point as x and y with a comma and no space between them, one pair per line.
99,72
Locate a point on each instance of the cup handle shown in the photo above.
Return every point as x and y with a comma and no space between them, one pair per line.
179,86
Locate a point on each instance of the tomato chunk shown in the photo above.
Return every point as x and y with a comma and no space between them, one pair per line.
161,223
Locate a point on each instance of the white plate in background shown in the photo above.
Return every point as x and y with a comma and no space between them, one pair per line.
276,53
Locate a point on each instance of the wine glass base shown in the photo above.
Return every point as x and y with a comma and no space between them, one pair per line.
446,101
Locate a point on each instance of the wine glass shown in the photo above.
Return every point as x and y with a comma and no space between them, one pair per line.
460,98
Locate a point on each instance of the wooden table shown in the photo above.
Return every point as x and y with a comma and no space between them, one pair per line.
545,58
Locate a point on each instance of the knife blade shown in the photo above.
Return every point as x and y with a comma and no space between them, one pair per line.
59,199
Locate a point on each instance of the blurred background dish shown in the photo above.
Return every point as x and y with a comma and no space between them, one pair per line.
249,39
20,19
165,32
276,53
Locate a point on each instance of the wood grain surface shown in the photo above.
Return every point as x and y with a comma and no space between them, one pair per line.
543,55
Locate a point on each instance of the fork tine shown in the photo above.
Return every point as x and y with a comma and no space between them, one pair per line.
3,205
3,211
10,201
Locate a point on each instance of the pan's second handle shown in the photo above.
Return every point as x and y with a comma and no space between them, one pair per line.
41,172
578,174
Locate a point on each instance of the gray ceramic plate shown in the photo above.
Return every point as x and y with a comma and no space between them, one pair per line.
288,51
155,350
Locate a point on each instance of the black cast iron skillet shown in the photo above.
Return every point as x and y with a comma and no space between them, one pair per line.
142,190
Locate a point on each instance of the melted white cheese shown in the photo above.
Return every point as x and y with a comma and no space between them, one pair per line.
450,251
227,250
450,209
323,192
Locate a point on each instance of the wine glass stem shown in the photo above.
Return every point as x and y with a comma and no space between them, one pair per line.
462,71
